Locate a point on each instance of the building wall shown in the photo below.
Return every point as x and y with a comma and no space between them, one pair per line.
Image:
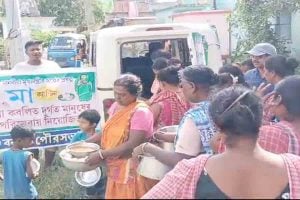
214,17
164,16
129,8
164,11
225,4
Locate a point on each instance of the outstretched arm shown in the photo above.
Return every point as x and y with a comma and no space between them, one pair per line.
166,157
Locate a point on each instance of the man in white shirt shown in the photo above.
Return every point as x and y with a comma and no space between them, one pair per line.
35,64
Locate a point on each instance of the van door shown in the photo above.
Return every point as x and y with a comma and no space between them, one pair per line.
196,42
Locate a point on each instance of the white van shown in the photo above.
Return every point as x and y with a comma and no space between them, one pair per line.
118,50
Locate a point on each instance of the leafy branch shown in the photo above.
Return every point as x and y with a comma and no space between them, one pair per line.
69,12
253,20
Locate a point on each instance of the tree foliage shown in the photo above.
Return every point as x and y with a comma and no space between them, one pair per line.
98,10
253,20
46,37
69,12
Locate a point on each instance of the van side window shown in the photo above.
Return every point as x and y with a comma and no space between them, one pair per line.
183,52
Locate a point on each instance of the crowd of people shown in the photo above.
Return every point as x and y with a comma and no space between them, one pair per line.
238,133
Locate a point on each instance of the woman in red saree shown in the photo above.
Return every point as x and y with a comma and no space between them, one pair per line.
169,105
129,125
284,136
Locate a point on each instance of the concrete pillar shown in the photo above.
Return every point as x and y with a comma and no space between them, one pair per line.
14,33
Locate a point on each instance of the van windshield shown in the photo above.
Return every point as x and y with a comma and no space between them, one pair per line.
63,43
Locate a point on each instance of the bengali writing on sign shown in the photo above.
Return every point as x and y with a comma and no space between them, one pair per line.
41,117
45,138
49,103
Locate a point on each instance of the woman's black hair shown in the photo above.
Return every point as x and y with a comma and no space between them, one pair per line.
131,82
169,75
289,90
199,75
160,63
248,63
225,80
235,72
174,61
281,65
237,111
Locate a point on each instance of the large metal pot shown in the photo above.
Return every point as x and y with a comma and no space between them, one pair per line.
150,167
172,130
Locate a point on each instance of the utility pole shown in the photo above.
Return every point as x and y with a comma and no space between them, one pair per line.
14,37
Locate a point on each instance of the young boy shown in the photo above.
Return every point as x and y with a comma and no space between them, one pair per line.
88,121
18,171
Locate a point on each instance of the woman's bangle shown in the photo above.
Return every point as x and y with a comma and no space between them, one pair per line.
100,154
143,147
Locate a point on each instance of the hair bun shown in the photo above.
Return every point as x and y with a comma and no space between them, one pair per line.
292,63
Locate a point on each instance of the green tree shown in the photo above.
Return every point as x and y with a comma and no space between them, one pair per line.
69,12
98,10
45,36
252,18
108,5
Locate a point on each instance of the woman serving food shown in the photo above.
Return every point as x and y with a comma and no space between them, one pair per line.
129,125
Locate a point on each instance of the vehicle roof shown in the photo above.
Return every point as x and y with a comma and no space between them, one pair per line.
123,30
72,35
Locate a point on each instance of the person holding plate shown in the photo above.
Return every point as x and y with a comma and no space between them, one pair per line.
129,125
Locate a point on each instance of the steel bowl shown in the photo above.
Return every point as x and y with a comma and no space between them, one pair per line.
89,178
86,148
76,164
36,166
150,167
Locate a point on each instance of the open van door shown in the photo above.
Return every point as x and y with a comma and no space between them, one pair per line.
196,43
